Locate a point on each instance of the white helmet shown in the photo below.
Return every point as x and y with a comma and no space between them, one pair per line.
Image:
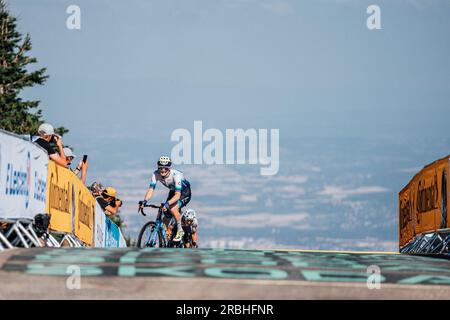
189,214
164,162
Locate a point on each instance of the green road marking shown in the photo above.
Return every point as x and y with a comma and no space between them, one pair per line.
426,279
239,261
233,264
179,259
130,257
70,258
177,271
336,276
61,270
246,273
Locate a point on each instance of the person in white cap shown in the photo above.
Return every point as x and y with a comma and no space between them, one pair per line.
81,167
46,135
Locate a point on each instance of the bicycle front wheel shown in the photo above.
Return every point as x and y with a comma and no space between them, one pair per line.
151,236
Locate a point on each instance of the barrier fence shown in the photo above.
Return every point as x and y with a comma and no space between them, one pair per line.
32,184
23,175
423,202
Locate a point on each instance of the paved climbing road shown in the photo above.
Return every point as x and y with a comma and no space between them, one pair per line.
47,273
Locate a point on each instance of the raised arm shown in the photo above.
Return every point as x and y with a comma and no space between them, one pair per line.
58,159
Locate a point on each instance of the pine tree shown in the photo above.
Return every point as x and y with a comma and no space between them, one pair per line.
18,115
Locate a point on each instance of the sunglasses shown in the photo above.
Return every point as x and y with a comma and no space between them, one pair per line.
163,169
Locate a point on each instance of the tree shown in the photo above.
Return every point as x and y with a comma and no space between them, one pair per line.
117,219
18,115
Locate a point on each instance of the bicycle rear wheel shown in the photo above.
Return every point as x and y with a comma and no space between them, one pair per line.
150,236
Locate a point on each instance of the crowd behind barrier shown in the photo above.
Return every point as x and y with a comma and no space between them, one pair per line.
423,203
30,184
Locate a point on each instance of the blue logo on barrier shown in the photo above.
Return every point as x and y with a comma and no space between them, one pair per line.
40,187
18,182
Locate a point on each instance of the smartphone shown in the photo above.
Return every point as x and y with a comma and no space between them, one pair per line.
84,158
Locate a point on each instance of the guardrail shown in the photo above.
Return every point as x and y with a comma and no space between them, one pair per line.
30,184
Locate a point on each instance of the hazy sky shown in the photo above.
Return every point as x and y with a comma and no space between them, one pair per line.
311,68
137,70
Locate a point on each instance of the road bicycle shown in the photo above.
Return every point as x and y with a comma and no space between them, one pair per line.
154,233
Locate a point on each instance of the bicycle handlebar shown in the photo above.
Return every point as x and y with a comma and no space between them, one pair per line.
141,209
152,206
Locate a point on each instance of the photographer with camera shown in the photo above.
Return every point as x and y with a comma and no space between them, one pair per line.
82,164
109,202
46,135
96,189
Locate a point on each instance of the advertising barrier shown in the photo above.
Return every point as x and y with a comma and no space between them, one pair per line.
84,211
122,242
73,209
112,234
405,218
59,197
100,227
23,177
107,233
31,184
423,203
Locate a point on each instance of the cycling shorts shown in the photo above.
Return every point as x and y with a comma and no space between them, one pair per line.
184,198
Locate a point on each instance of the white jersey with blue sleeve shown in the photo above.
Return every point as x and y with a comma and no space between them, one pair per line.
174,181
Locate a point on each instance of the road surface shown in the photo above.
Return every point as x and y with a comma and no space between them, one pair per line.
48,273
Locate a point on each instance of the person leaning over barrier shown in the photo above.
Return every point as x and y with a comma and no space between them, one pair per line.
81,167
109,202
96,189
46,135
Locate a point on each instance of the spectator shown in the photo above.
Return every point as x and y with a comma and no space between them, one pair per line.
109,202
96,189
81,167
47,135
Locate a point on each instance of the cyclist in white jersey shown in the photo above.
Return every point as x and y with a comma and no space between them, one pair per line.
179,194
190,224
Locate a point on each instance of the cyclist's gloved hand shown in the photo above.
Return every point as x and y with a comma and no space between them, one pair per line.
165,206
142,203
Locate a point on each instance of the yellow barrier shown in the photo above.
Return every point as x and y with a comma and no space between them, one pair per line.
423,203
84,204
405,217
69,203
59,197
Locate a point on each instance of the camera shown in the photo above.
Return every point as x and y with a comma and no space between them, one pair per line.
114,201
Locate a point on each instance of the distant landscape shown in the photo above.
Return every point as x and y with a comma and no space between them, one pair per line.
322,198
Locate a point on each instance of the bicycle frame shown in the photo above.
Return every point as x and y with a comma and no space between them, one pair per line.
159,225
